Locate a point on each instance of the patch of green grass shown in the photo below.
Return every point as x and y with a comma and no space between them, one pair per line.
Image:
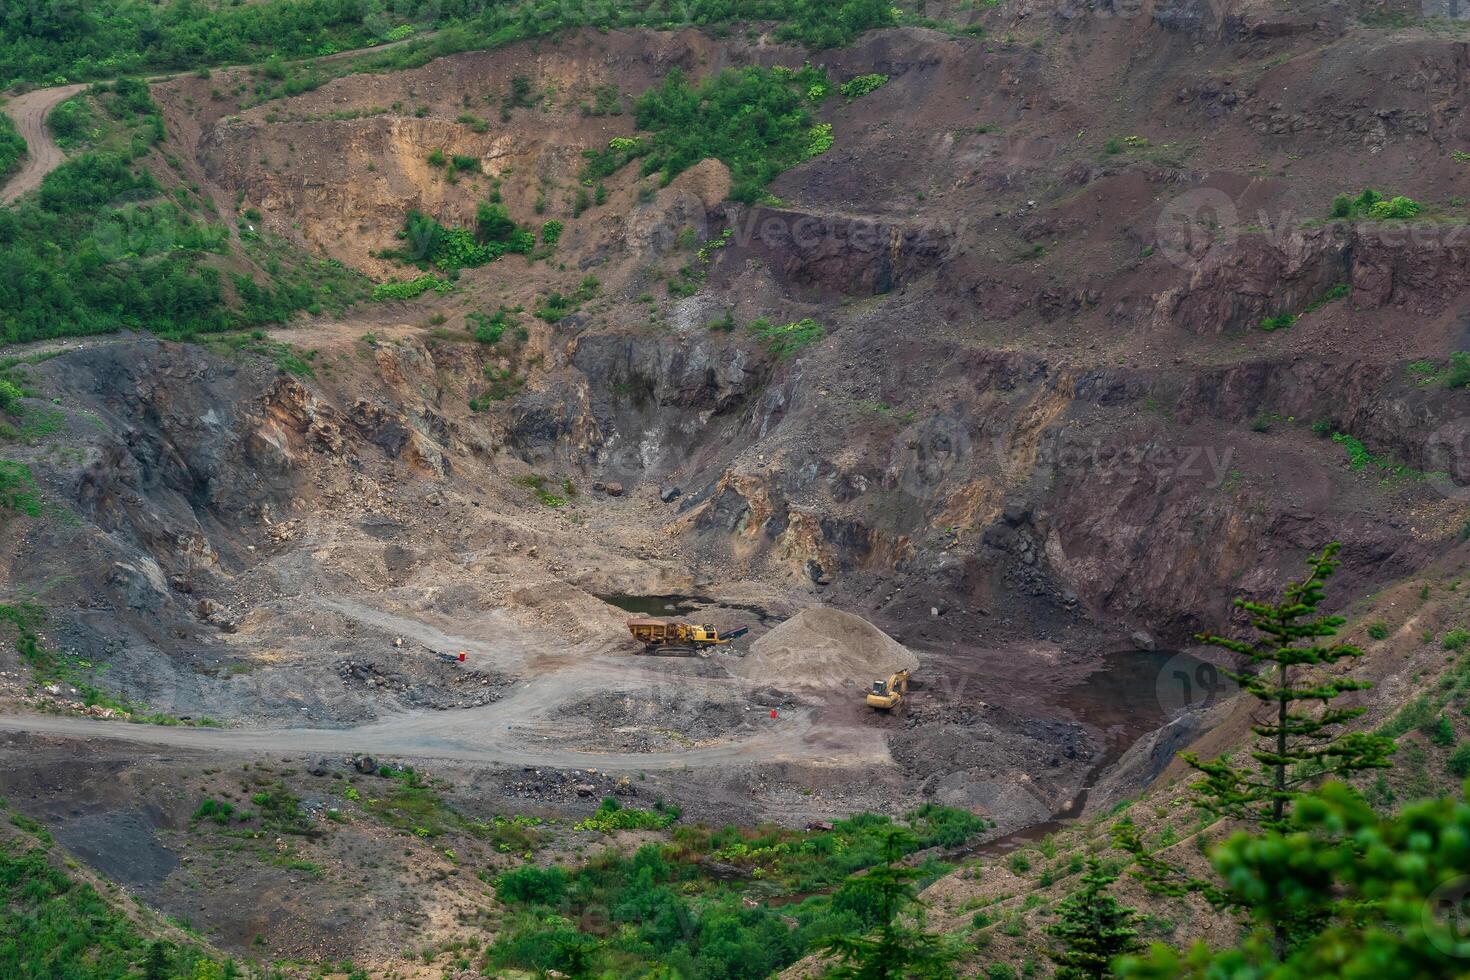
412,289
785,341
19,492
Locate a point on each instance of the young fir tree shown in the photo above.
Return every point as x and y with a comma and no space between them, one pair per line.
1301,737
1093,928
1393,891
896,950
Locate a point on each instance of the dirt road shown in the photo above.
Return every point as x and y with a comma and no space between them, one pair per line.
473,735
29,112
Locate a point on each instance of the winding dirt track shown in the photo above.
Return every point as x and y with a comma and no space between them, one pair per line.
473,735
43,155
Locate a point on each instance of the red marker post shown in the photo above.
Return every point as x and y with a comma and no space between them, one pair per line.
773,712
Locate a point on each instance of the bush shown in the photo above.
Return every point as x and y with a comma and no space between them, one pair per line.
1459,760
530,885
1378,631
862,85
551,233
12,147
1456,639
754,120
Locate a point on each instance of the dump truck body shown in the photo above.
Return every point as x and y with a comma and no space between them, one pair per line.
656,633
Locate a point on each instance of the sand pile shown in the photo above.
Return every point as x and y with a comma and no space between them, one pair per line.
821,647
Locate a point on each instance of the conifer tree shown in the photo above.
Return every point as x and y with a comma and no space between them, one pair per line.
1093,928
1301,737
896,949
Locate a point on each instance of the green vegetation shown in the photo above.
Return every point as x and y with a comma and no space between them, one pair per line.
1371,204
57,927
49,41
73,261
537,485
1359,457
862,85
887,897
12,147
19,493
786,341
412,289
757,121
1284,320
1339,891
1092,928
626,915
612,815
430,243
489,328
1297,746
556,306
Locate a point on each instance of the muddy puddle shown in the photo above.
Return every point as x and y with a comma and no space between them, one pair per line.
685,605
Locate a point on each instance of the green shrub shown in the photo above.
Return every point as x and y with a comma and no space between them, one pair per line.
754,120
551,233
1279,322
214,810
1456,639
1378,631
12,147
10,395
1459,760
1371,204
862,85
1442,732
1458,375
530,885
412,289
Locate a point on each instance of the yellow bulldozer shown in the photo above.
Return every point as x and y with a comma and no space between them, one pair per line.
888,695
658,636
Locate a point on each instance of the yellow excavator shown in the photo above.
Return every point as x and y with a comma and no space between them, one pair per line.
658,636
888,695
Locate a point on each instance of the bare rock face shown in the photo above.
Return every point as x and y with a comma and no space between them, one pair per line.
829,256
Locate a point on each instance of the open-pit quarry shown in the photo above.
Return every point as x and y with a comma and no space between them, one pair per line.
1040,343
